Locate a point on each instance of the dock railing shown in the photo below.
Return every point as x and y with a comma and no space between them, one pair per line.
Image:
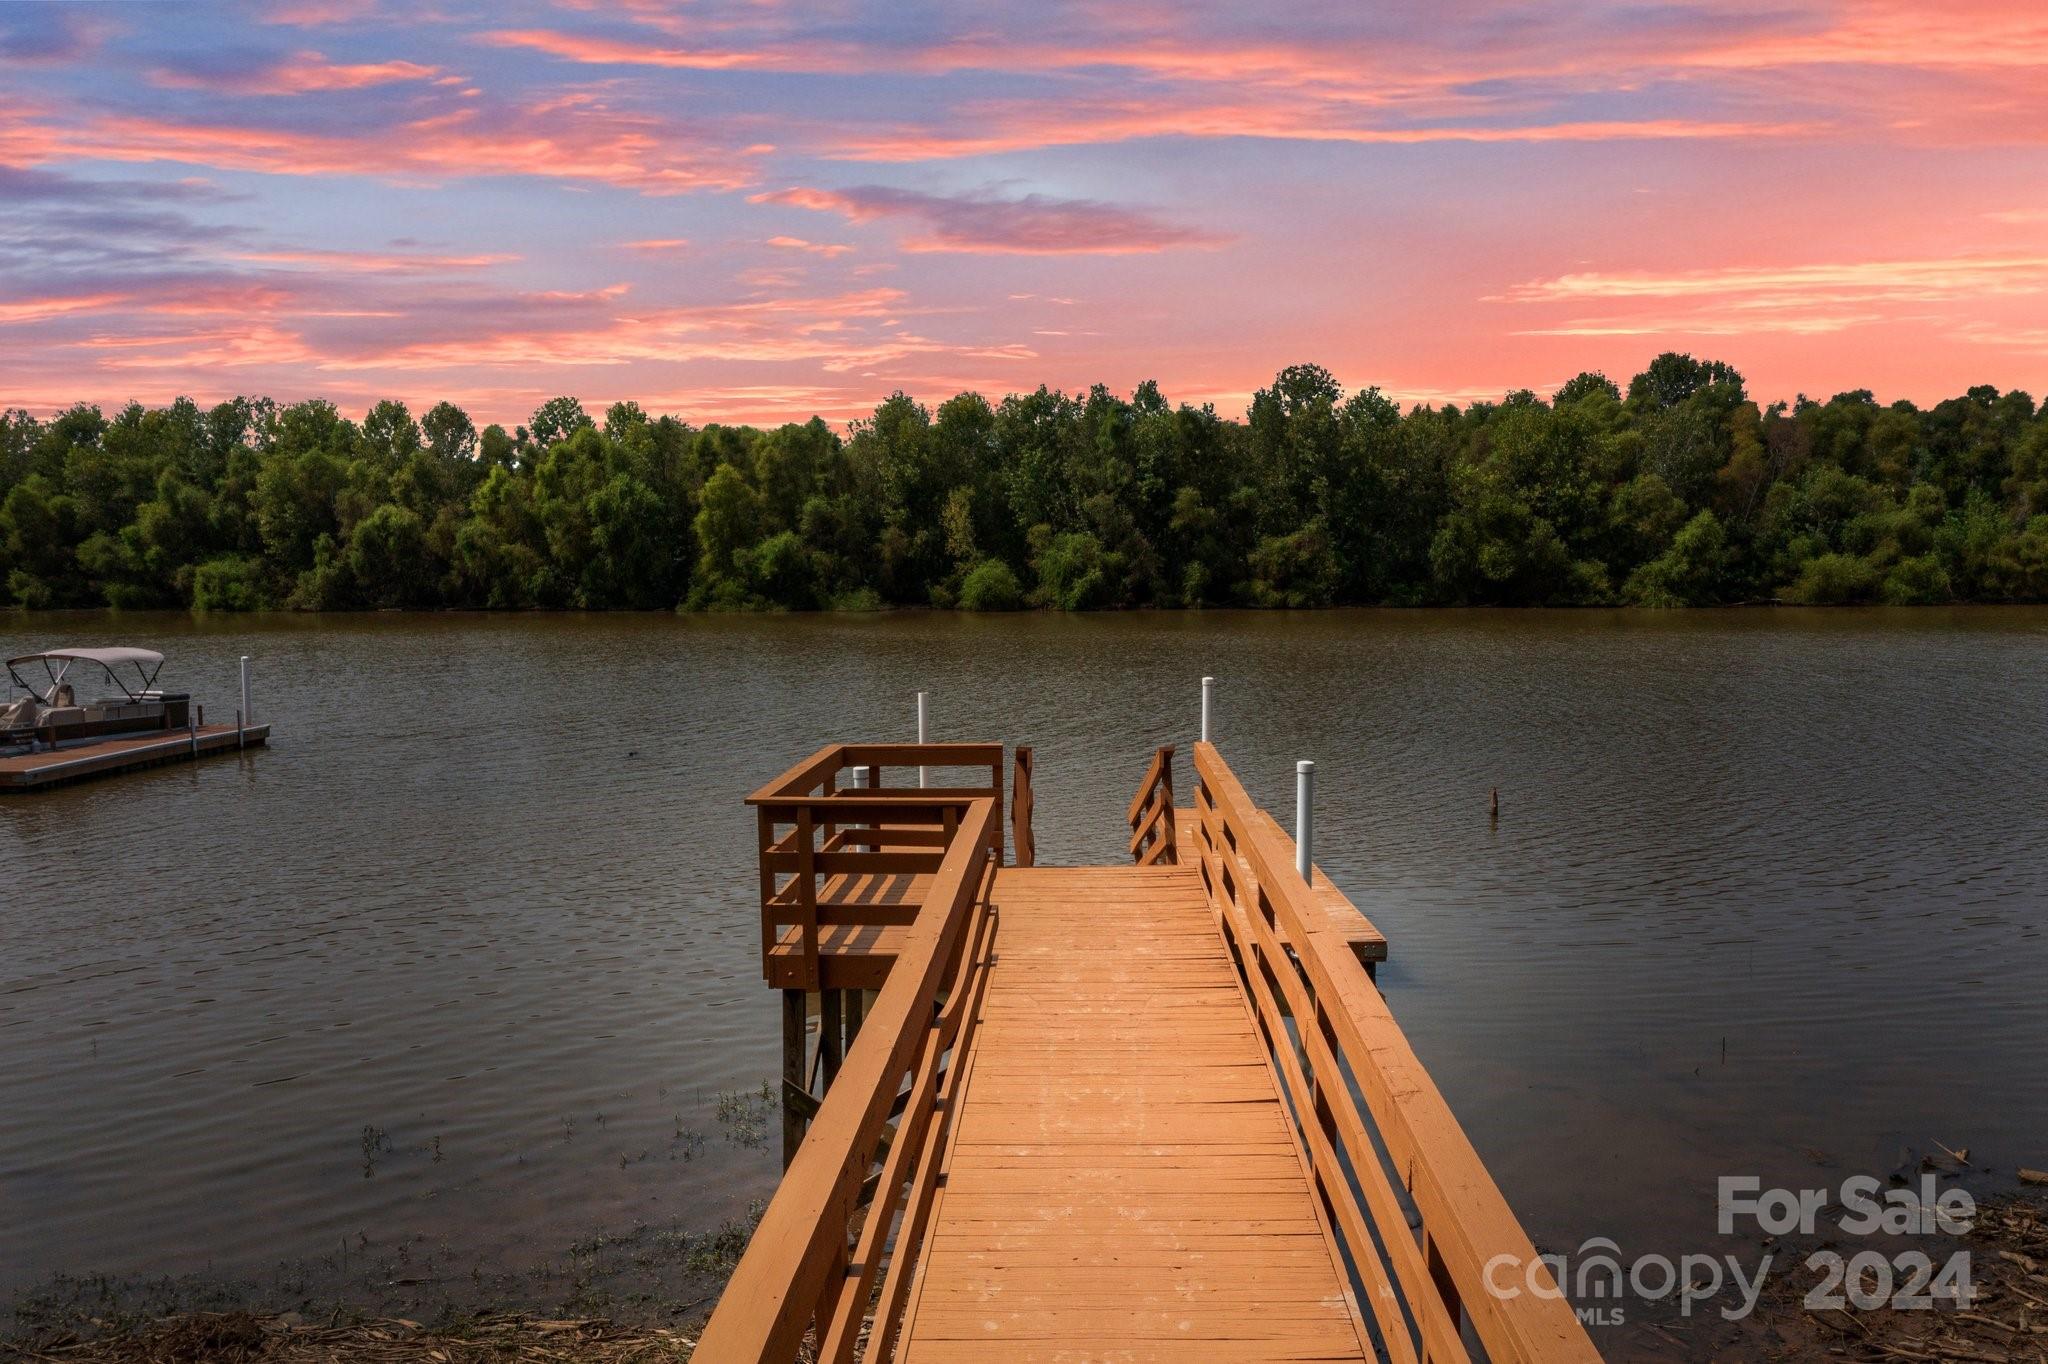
818,1268
1151,816
820,835
1417,1212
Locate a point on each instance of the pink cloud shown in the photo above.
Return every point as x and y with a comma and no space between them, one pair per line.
574,137
826,249
315,13
1799,300
42,309
585,48
1036,224
302,73
374,262
1025,126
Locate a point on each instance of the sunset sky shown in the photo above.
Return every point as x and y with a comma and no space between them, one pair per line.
751,210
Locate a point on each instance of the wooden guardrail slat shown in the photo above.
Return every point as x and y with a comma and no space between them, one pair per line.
787,1273
1339,1012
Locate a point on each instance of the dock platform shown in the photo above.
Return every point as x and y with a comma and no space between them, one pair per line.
1123,1165
1146,1112
47,768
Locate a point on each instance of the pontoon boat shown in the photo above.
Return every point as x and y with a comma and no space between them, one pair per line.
51,711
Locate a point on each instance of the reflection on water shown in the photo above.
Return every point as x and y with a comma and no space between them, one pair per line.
469,953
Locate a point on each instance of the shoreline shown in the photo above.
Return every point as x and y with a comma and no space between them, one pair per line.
1756,605
2004,1322
611,1295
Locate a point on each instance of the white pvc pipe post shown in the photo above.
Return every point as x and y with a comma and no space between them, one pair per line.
1208,695
921,730
1305,819
248,715
863,778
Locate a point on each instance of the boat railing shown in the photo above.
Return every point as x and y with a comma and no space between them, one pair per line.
1431,1239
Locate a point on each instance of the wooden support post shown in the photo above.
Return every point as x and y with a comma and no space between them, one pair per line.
793,1120
1022,846
830,1039
856,1009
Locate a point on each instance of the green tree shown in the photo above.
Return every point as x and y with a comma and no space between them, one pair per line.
557,419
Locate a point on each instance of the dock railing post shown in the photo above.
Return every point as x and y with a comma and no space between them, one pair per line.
1305,819
1208,694
922,716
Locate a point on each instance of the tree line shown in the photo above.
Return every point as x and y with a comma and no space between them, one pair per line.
1680,491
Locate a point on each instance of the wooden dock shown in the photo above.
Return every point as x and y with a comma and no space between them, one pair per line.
50,767
1157,1111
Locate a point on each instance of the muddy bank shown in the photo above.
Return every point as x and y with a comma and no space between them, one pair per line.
638,1294
2000,1318
244,1338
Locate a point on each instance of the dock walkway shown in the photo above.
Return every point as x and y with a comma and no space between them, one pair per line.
1122,1166
1061,1115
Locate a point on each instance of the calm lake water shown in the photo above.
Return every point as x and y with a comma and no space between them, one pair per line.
458,970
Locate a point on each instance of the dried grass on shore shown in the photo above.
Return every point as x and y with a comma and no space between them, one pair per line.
244,1338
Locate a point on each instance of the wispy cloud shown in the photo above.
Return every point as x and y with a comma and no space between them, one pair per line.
573,137
1035,224
996,129
594,50
314,13
826,249
298,73
1801,300
47,34
1916,280
374,262
42,309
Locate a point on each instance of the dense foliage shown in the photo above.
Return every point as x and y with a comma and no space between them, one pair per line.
1680,492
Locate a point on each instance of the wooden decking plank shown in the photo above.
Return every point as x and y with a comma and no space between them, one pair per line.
1123,1183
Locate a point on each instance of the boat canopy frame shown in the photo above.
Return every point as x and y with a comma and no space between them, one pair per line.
146,662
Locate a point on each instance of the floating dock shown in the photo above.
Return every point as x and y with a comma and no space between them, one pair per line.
47,767
1151,1112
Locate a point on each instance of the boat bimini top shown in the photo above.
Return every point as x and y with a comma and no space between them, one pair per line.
57,662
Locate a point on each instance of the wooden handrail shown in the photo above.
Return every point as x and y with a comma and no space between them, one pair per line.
814,833
1153,837
1343,1047
1023,846
821,769
807,1271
